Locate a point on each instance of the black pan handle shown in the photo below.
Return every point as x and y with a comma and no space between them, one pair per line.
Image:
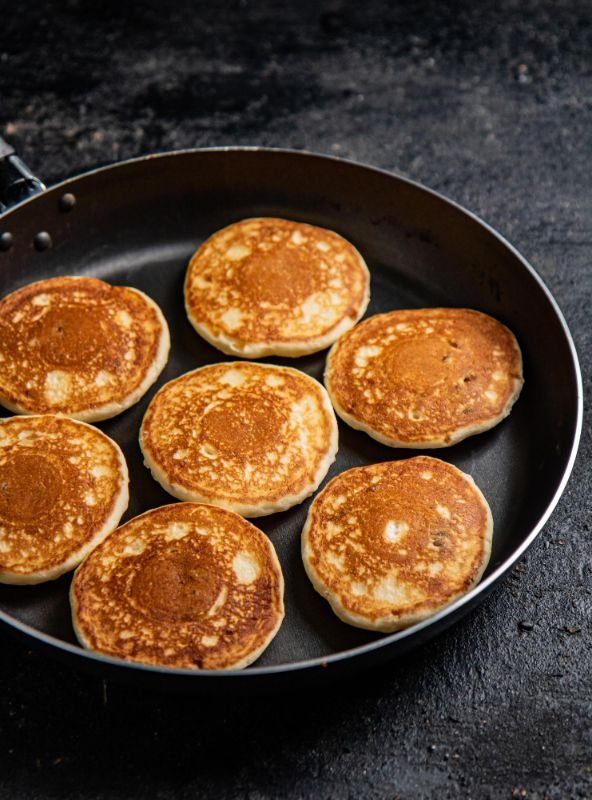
17,182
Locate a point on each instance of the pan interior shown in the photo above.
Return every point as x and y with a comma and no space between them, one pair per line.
137,224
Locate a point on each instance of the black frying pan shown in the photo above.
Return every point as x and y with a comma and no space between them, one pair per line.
137,223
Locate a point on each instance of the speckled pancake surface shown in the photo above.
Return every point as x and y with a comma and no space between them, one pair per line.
393,543
425,378
184,585
270,286
253,438
79,346
63,488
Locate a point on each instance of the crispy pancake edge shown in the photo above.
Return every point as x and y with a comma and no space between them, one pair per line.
391,624
120,505
245,509
454,436
239,665
286,348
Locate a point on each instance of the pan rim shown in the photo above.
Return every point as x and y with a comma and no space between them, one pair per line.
449,611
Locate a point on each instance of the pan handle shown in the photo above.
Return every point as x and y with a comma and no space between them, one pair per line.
17,182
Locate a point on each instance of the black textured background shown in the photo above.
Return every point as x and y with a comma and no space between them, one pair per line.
489,103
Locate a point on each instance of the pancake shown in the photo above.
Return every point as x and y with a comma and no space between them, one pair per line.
425,378
391,544
63,488
270,286
80,347
184,585
253,438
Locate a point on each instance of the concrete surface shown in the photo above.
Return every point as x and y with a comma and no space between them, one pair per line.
490,106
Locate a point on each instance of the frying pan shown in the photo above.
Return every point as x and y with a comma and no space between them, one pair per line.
136,223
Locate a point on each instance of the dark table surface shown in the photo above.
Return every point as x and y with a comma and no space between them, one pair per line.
493,108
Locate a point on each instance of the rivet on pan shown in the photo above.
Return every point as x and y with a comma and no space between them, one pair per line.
6,241
67,201
42,241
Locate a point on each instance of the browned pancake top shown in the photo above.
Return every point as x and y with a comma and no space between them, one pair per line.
59,483
397,540
185,585
274,280
240,432
425,375
73,344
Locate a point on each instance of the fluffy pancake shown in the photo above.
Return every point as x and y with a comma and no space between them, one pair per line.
270,286
63,488
185,585
80,347
425,378
391,544
253,438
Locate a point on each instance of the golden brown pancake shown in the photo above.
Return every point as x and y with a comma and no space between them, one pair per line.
185,585
253,438
80,347
271,286
391,544
63,488
425,378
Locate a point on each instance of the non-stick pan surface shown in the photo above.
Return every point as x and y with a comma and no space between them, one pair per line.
137,223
